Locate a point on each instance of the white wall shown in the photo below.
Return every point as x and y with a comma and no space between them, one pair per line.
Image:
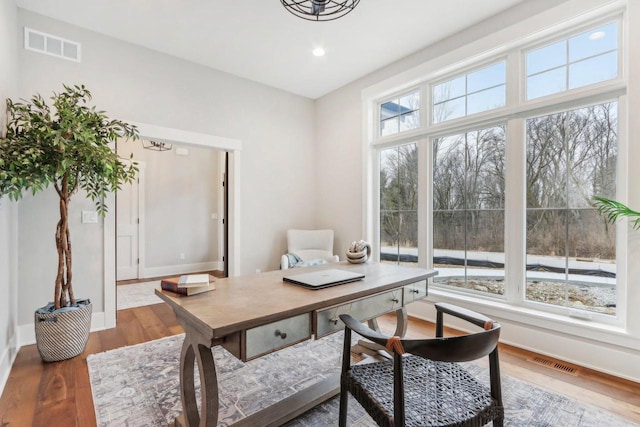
8,210
140,85
340,134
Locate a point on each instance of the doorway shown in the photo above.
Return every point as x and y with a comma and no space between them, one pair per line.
232,221
185,216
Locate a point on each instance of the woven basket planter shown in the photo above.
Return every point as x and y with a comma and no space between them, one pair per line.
63,334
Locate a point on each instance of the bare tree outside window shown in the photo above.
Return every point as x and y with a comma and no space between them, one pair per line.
571,157
399,205
468,209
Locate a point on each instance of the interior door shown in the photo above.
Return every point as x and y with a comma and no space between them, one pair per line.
225,238
127,225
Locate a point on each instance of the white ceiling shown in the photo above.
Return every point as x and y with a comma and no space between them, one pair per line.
259,40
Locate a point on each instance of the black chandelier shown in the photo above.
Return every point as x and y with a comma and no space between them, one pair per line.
320,10
156,145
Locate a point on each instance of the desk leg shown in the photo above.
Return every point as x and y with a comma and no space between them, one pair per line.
401,329
197,349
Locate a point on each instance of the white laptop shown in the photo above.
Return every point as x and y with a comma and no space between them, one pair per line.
323,278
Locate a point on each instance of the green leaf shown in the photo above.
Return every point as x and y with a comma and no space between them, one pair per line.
614,210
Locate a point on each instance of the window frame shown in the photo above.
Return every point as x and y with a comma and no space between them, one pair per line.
465,72
513,115
397,96
565,36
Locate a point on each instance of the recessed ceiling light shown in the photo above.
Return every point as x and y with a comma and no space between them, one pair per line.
318,51
597,35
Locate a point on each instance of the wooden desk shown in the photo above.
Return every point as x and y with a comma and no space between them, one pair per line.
258,314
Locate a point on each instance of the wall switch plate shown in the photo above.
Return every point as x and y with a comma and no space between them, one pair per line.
182,151
89,217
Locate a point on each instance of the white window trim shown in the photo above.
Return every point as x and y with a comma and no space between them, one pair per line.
514,42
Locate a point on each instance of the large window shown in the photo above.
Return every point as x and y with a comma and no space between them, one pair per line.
503,200
468,210
571,157
399,205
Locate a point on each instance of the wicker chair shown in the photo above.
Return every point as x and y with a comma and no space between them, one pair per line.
425,387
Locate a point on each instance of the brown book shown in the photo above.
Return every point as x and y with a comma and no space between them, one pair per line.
172,284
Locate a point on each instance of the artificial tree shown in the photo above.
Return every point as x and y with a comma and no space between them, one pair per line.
67,145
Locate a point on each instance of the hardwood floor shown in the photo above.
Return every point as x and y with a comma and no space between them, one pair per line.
59,394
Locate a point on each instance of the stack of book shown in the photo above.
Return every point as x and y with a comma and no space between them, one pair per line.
189,284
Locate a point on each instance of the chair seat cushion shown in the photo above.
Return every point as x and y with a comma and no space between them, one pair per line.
436,393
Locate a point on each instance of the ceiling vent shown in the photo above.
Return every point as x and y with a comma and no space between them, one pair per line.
48,44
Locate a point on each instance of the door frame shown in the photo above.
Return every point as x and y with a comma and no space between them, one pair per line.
182,137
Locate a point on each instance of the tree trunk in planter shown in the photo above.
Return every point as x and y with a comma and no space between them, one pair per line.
62,334
63,286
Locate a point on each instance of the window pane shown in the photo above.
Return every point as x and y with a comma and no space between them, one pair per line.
399,204
582,60
448,173
389,126
410,121
449,110
546,236
547,83
400,114
487,77
592,153
592,240
410,102
486,100
389,109
546,58
449,90
485,169
468,214
571,158
593,42
546,163
594,70
389,236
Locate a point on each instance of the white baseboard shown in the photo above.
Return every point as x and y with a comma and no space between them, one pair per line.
182,269
7,358
27,333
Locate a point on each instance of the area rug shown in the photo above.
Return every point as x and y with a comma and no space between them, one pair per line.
137,294
138,386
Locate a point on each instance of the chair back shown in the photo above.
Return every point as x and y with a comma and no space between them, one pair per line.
310,244
463,348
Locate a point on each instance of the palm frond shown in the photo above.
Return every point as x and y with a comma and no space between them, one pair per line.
614,210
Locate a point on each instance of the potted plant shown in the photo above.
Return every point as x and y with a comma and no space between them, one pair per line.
614,210
67,146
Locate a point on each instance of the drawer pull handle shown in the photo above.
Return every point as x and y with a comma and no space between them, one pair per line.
280,334
395,300
415,291
334,321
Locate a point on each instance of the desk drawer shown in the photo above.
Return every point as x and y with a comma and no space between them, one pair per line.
415,291
274,336
327,320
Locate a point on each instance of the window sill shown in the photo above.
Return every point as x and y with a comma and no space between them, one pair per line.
591,330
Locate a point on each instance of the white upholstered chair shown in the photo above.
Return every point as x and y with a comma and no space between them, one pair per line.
309,246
